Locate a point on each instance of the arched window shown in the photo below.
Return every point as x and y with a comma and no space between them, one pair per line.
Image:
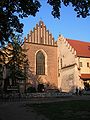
40,63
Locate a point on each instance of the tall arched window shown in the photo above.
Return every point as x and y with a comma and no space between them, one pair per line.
40,63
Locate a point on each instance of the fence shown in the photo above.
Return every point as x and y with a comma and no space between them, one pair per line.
29,96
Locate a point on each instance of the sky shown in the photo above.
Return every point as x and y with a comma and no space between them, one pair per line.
68,25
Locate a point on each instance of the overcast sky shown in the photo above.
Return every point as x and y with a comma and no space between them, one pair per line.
69,25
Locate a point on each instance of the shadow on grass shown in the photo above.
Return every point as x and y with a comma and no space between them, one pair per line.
70,110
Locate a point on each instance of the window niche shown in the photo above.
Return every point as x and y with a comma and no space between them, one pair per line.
80,64
40,63
88,64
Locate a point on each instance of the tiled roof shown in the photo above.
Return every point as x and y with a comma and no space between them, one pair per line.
85,76
82,48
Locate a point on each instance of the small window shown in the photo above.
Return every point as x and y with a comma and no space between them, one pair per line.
61,62
87,64
80,64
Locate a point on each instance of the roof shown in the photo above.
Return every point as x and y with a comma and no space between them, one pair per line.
82,48
85,76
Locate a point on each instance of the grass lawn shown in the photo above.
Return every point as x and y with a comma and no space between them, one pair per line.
64,110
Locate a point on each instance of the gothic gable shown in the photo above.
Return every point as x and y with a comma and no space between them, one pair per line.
40,35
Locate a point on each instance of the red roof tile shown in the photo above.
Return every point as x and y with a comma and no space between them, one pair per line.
85,76
82,48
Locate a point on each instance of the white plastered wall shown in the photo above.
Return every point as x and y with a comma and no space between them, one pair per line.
69,74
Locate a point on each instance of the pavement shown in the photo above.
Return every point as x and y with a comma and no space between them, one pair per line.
18,111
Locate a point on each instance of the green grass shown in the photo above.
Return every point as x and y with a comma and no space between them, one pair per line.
65,110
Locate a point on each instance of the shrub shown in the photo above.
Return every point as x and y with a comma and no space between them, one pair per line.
31,90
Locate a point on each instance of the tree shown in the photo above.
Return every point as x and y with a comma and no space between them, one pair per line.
17,62
14,64
82,7
3,56
12,10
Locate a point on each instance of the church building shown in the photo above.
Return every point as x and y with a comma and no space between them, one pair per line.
63,64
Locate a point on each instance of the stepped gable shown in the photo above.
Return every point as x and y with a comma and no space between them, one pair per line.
61,38
40,35
82,48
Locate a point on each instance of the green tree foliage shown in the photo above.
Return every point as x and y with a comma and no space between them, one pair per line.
82,7
12,10
17,62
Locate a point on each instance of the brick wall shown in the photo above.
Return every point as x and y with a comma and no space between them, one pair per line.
51,62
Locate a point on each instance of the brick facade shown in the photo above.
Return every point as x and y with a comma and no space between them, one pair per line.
50,53
41,40
61,60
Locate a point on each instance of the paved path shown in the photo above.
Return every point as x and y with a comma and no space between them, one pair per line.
17,111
